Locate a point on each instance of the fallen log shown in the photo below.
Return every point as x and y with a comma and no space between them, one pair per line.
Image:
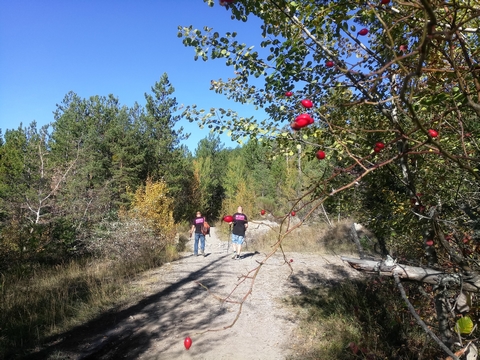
389,267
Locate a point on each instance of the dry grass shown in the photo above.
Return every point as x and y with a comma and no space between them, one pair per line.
317,238
356,320
39,301
327,323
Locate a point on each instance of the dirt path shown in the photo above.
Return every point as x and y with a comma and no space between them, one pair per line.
176,306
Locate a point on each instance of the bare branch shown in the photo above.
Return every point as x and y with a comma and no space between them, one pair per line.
420,321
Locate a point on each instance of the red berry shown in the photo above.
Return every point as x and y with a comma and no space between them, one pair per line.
329,64
303,120
291,260
288,93
377,149
429,242
380,145
293,213
320,155
384,2
363,32
433,133
187,342
262,212
307,103
403,48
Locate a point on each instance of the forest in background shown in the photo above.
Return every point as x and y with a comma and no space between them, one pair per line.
62,184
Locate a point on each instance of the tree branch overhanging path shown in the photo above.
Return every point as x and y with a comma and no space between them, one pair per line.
408,80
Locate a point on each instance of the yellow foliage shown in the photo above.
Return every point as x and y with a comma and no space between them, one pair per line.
153,205
243,197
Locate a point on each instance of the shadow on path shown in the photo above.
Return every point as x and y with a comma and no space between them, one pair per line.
129,332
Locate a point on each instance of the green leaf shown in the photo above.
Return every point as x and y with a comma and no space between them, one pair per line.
464,325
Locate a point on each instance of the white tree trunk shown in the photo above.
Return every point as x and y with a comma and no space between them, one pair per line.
414,273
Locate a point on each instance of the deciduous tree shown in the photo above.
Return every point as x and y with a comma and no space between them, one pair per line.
404,75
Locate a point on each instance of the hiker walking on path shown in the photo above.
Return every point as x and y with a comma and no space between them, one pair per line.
196,228
240,225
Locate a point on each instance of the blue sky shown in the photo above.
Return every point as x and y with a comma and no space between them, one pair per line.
51,47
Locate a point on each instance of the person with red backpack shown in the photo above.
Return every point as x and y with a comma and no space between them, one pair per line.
197,226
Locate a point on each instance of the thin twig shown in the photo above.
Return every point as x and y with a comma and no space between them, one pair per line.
419,320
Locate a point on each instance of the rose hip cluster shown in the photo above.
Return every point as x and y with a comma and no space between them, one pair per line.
303,120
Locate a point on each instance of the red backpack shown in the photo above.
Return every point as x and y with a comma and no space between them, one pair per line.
205,227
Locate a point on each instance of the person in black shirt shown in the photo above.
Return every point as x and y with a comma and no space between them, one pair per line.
240,225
